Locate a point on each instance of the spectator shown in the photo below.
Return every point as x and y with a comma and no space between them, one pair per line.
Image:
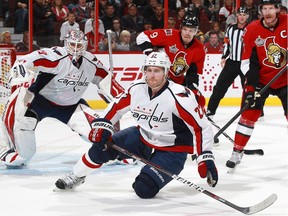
60,10
124,41
158,17
203,15
231,19
213,46
213,7
5,38
123,10
91,38
43,18
252,10
23,45
179,16
82,11
68,26
117,27
225,11
132,21
88,24
103,44
215,27
102,5
108,16
200,36
283,10
171,23
147,25
21,17
187,4
148,10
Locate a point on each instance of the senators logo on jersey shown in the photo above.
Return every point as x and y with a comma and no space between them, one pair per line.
276,55
180,65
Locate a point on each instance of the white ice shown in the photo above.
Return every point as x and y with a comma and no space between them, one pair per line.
108,191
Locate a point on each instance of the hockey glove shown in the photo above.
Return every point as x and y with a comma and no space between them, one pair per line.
207,168
101,132
199,97
251,96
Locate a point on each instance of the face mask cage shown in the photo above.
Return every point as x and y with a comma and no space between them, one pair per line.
76,44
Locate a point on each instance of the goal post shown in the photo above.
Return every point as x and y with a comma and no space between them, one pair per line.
7,59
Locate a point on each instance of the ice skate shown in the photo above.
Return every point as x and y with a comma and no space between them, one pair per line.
69,182
210,114
235,158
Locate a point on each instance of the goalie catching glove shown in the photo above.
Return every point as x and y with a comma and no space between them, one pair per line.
207,168
101,132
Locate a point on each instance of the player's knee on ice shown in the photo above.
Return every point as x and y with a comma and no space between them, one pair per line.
99,155
145,187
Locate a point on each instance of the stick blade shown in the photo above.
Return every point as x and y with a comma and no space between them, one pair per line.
262,205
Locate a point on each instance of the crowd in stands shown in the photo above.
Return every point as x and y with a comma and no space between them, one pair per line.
53,19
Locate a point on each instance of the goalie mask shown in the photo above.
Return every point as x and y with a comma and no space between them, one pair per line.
76,43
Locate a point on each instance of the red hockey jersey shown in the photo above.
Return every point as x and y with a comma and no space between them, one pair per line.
183,59
265,53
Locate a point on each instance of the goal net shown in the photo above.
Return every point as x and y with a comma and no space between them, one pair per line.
7,59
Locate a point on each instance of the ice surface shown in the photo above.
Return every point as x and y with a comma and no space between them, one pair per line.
108,191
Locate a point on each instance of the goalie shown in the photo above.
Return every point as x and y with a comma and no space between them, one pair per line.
50,83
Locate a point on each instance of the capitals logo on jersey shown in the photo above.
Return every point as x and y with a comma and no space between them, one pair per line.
275,55
180,65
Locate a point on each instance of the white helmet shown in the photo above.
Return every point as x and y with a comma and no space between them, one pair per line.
76,43
159,59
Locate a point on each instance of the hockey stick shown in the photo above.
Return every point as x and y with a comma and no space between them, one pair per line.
246,151
106,83
247,104
245,210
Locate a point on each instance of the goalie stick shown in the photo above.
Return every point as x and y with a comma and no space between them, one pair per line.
246,151
245,210
284,69
106,83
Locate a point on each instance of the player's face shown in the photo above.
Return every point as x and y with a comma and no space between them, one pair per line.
154,76
187,34
242,18
269,13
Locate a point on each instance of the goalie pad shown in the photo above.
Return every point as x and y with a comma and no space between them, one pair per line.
109,88
20,128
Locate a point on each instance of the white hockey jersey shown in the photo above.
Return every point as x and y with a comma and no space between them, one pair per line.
58,79
171,121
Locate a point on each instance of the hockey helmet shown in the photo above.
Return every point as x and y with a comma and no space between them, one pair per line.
190,21
76,43
158,59
242,10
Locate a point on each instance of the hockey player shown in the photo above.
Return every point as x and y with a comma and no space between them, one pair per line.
230,61
185,52
62,75
264,55
164,134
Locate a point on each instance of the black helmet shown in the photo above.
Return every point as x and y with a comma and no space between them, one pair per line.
242,10
275,2
190,21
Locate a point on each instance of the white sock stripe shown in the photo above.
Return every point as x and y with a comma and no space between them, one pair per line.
89,160
244,130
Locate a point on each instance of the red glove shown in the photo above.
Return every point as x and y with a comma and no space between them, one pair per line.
101,132
199,97
207,168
